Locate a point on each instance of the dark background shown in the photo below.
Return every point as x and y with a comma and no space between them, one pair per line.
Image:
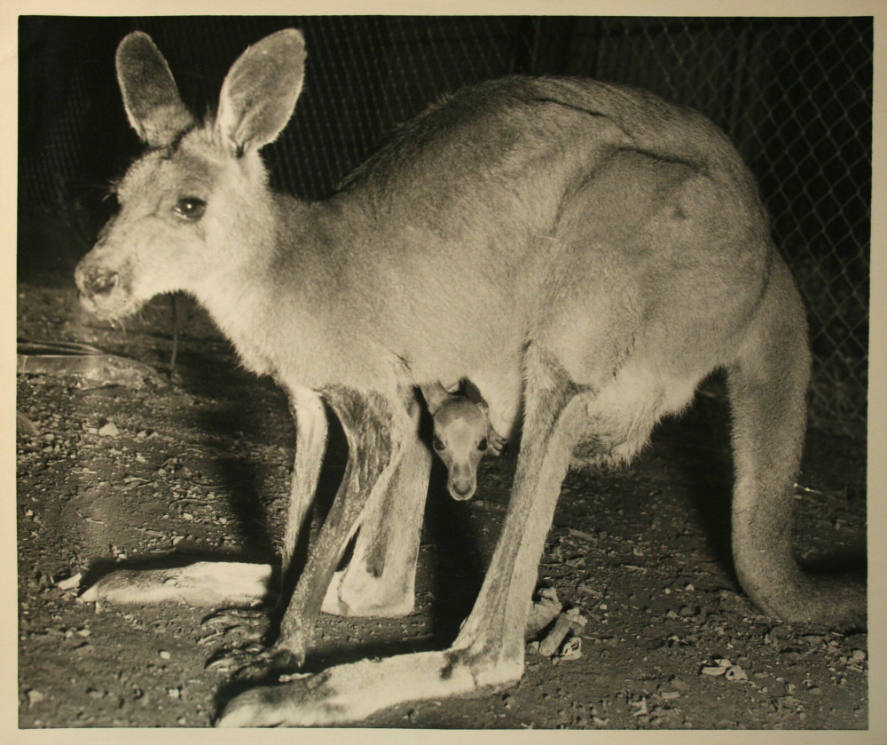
795,95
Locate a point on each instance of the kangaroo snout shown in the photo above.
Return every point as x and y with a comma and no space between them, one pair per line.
95,280
104,289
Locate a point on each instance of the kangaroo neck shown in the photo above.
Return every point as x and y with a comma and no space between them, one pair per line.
273,291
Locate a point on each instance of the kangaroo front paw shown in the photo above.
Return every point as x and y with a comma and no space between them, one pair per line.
355,592
495,442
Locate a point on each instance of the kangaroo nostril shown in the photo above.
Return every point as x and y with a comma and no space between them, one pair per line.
101,281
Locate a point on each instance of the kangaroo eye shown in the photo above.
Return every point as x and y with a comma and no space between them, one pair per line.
190,208
438,443
482,445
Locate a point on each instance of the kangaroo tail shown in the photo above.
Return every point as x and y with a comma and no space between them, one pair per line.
767,387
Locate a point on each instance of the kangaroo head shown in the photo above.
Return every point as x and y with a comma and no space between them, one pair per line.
198,196
460,439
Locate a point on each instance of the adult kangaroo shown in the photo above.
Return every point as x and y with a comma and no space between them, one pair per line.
582,252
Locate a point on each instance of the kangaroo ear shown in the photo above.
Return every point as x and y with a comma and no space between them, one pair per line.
260,91
150,96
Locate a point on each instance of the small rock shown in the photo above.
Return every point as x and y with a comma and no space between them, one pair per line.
543,611
24,425
71,583
175,693
552,641
34,697
164,655
571,649
670,695
642,709
857,656
813,638
109,430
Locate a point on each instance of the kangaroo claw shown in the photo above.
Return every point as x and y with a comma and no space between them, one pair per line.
252,662
495,442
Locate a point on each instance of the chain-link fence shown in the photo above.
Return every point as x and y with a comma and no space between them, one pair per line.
795,95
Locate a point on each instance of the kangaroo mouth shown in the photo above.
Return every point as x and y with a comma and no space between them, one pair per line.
461,491
105,292
110,304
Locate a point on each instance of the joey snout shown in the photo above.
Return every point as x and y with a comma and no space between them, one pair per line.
462,481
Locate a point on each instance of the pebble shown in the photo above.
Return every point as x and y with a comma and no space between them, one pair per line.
813,638
109,430
34,697
71,583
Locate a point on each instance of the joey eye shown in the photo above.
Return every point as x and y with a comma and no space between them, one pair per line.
438,443
190,208
482,445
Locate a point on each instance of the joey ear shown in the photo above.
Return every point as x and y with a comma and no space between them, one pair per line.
260,91
150,95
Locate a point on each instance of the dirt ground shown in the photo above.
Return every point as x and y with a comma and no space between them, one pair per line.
126,475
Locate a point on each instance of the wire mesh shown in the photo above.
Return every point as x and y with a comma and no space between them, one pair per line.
795,95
